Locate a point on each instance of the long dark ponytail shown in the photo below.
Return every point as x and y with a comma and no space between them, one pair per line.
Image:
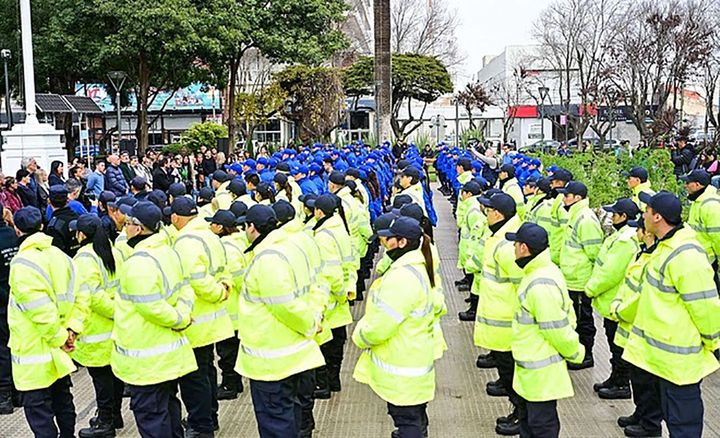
341,212
427,255
103,248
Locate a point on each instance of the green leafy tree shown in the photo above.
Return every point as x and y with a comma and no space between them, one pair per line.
417,77
254,109
203,134
315,99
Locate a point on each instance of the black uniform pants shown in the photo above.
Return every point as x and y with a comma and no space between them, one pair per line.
6,382
646,396
538,419
682,409
227,351
410,421
44,407
506,370
199,391
156,409
108,393
333,352
620,368
277,408
306,400
585,329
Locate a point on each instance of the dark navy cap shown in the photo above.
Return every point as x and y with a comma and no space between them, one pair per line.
258,215
353,172
561,174
412,172
206,193
138,183
58,191
182,206
308,200
700,176
126,200
284,211
624,206
283,167
87,223
532,181
146,212
509,169
220,176
238,208
665,204
28,219
403,226
401,200
237,187
226,218
264,189
637,172
544,185
402,164
177,189
531,234
351,184
280,178
412,210
472,187
158,197
575,188
337,178
383,222
107,197
640,223
492,192
501,202
326,203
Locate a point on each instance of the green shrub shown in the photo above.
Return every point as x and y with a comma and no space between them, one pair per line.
203,134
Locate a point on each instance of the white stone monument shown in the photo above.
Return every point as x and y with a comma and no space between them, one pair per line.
30,139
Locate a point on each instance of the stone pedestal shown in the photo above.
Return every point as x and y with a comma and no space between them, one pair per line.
38,140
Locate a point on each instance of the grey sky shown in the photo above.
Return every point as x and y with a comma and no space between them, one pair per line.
487,26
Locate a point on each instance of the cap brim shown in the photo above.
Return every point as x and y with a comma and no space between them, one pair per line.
684,178
511,237
241,220
645,197
625,174
167,211
385,233
609,208
634,224
126,209
485,201
72,226
563,191
112,204
209,219
310,203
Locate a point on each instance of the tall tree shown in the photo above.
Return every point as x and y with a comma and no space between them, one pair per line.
383,68
474,96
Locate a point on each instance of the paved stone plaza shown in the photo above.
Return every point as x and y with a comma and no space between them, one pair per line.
461,408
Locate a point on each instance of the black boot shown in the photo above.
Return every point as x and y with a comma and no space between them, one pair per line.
626,421
333,372
509,428
100,429
496,389
6,403
606,384
226,392
322,384
118,422
587,362
508,419
469,314
615,392
486,361
636,430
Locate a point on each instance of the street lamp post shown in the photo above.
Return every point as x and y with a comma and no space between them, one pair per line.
543,95
5,54
117,79
612,97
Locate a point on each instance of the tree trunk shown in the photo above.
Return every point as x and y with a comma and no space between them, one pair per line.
383,67
70,139
142,129
231,103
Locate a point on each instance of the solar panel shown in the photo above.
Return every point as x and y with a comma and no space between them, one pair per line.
52,103
83,104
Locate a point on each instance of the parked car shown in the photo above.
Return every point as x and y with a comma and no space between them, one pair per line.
544,146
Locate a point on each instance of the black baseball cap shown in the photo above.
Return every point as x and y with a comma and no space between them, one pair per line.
258,215
337,178
158,197
206,193
280,178
383,222
326,203
107,197
501,202
283,167
226,218
138,183
126,200
58,192
403,226
221,176
473,187
561,174
412,172
640,223
353,172
412,210
238,208
87,223
308,200
665,204
28,219
146,212
700,176
637,172
402,164
532,235
237,187
264,189
624,206
177,189
544,185
182,206
575,188
284,211
401,200
509,169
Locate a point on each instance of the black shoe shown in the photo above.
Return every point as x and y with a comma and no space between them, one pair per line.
468,300
508,419
191,433
396,433
98,430
6,403
588,362
462,281
467,316
321,393
606,384
615,393
626,421
118,422
486,361
496,389
225,392
465,287
508,429
635,430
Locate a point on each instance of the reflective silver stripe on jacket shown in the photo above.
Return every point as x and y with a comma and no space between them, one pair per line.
210,316
152,351
494,322
101,267
95,339
659,282
30,305
537,364
23,261
31,360
277,299
278,352
622,332
400,371
666,347
212,269
539,282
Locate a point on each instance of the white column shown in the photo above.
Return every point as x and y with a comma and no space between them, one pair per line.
28,68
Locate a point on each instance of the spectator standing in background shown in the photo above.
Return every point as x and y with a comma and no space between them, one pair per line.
96,180
57,168
114,179
682,156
